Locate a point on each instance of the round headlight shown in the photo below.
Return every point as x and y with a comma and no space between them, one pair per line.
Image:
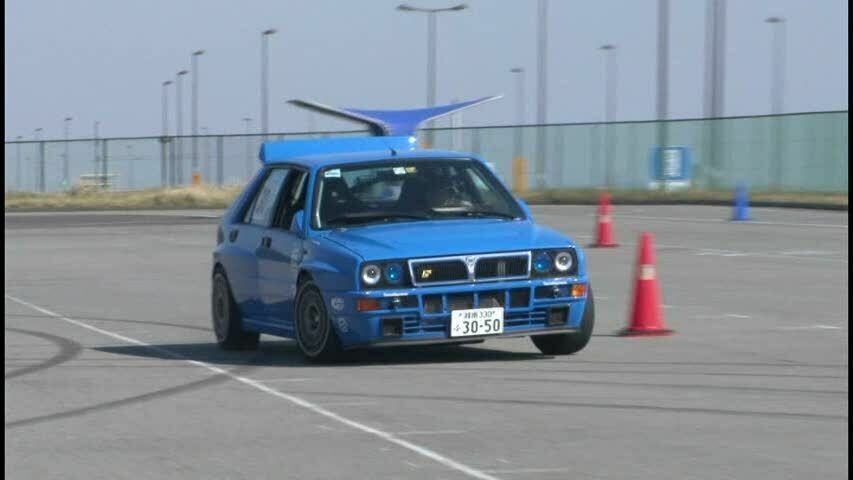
371,274
542,262
393,273
563,261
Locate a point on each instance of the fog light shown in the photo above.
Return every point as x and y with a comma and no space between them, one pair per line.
367,304
392,327
558,316
578,289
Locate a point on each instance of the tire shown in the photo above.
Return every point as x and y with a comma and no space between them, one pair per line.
227,320
315,333
569,343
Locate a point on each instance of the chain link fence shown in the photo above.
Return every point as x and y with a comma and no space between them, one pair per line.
793,152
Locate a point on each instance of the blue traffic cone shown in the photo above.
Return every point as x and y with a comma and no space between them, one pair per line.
741,211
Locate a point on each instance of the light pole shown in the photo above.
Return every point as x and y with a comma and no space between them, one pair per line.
96,125
179,127
662,72
66,172
40,164
248,122
715,37
777,92
164,139
18,162
130,159
265,79
194,119
431,49
519,108
207,173
777,72
541,89
609,106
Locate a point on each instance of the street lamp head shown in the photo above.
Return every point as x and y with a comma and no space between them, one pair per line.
774,19
198,52
406,8
167,83
461,6
269,31
516,70
183,72
607,46
68,119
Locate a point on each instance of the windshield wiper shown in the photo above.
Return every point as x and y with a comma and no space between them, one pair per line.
373,217
487,213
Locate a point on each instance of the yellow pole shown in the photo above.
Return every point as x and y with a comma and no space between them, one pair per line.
519,174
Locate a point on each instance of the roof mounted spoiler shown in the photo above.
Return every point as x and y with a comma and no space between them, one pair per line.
386,123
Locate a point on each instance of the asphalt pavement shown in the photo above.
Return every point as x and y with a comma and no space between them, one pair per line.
112,371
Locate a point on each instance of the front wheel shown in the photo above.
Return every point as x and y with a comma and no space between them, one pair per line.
568,343
315,333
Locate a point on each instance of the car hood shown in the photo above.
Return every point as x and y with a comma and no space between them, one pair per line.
447,237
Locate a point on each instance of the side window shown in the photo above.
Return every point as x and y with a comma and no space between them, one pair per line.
264,203
292,200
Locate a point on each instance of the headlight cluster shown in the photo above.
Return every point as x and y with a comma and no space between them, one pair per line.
384,274
554,262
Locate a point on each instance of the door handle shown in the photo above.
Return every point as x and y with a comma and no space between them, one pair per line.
266,242
232,235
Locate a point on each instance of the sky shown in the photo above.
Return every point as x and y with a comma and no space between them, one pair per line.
105,60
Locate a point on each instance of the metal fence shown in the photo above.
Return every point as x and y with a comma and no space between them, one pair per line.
794,152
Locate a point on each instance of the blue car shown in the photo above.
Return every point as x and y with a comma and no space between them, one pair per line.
369,242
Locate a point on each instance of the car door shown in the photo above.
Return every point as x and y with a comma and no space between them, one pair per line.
279,262
247,236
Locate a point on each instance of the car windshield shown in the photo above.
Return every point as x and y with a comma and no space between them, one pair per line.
410,191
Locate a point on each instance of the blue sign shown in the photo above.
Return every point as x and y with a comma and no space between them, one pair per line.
671,166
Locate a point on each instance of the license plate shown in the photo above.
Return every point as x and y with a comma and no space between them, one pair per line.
477,321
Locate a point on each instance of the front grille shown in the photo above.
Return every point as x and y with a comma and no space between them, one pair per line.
486,267
501,267
440,271
433,304
519,298
492,299
460,301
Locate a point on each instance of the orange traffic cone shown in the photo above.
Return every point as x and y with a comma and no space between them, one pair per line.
604,230
646,312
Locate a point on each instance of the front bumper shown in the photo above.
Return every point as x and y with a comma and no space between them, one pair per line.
424,312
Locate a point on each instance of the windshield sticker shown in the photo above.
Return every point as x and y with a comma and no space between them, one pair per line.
333,173
399,171
411,169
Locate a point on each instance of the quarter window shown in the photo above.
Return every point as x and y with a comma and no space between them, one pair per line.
263,205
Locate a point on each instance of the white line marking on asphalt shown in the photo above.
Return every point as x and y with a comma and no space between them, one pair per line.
529,470
813,327
432,432
347,404
503,460
722,315
388,437
286,379
413,465
807,252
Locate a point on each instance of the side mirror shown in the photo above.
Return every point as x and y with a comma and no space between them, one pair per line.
298,223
